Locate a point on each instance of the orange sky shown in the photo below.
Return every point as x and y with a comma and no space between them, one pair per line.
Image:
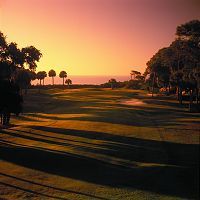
95,37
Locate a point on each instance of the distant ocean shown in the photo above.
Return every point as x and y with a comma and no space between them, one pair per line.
95,80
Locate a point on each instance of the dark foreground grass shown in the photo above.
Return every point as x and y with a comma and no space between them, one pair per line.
92,144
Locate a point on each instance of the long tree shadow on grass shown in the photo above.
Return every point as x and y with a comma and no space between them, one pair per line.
178,176
124,115
31,191
107,112
131,148
42,185
102,109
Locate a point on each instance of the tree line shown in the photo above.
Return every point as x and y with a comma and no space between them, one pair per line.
41,75
136,82
177,68
174,69
19,65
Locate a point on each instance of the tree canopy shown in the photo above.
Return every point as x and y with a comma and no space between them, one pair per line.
41,76
63,75
13,58
179,64
52,74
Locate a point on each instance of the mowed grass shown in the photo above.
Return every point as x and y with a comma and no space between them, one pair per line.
100,144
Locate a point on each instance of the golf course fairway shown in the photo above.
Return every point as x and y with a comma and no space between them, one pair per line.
78,144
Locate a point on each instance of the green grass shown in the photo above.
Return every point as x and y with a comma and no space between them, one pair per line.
89,144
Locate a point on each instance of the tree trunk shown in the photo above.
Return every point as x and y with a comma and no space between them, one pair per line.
191,100
180,99
52,80
180,96
40,86
169,88
63,81
153,83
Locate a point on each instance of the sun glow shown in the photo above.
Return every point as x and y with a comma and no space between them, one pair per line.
85,37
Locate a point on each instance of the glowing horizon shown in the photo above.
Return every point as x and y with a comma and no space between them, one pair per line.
95,37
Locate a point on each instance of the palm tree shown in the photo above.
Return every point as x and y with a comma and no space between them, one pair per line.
44,75
68,82
63,75
41,76
52,74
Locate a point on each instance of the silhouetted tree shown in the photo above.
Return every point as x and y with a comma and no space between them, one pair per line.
134,74
41,76
63,75
6,58
3,48
52,74
158,69
31,56
189,31
112,82
13,62
5,70
179,64
189,36
24,78
15,58
68,82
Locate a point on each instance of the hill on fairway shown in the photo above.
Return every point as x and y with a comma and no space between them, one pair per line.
100,144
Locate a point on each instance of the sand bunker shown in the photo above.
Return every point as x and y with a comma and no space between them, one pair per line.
133,102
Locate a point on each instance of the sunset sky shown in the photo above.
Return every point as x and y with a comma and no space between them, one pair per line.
95,37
